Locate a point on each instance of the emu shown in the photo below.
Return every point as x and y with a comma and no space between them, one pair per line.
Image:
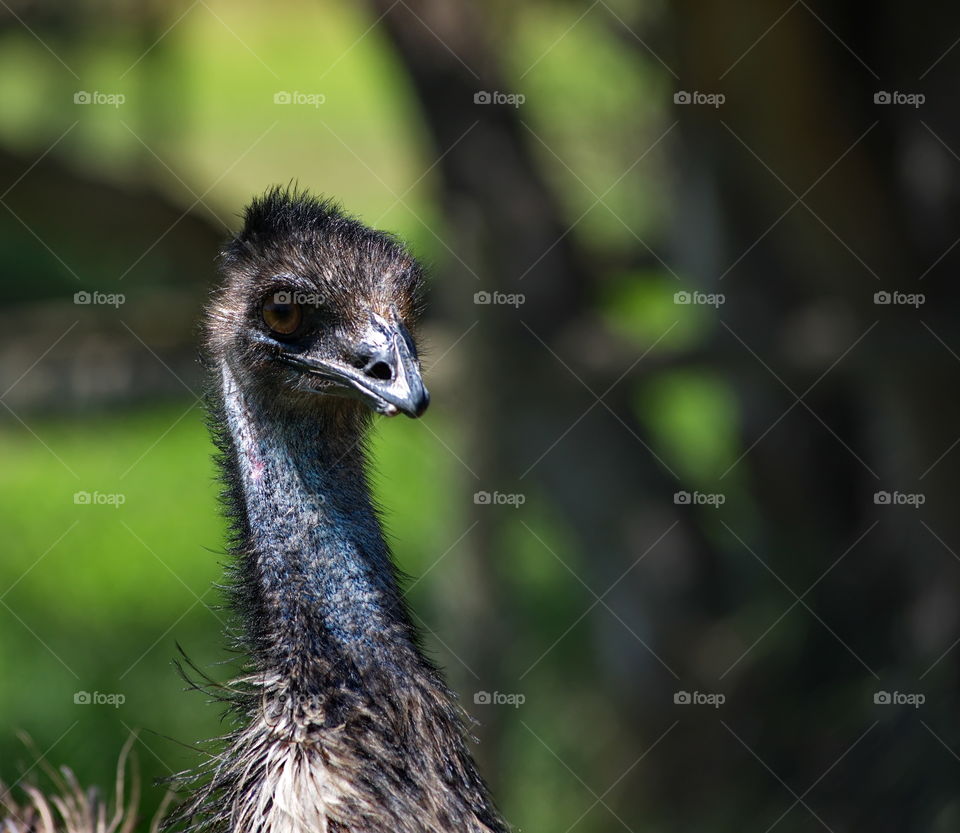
342,723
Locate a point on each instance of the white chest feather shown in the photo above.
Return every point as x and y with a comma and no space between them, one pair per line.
296,791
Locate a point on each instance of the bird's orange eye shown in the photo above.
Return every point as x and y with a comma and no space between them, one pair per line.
281,316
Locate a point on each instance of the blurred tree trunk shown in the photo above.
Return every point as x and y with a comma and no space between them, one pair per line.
882,193
610,494
885,209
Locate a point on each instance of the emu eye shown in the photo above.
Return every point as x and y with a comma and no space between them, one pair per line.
281,315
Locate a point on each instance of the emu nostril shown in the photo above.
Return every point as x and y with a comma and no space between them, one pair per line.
380,370
373,366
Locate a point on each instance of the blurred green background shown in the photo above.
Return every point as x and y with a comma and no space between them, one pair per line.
131,136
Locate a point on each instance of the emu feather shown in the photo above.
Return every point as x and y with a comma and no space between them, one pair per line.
344,725
340,722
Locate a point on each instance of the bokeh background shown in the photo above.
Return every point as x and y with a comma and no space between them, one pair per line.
715,586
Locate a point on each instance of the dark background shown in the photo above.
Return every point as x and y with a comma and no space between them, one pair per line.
815,166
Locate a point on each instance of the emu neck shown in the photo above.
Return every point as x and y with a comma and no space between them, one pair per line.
316,568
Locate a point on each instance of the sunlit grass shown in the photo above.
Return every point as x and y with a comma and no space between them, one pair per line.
96,597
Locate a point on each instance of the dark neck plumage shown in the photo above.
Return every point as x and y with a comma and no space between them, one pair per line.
315,571
348,721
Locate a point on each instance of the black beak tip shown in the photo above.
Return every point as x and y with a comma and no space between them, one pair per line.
419,405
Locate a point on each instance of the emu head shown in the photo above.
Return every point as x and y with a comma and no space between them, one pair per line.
316,311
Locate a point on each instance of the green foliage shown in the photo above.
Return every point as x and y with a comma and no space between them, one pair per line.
591,109
640,306
96,597
694,419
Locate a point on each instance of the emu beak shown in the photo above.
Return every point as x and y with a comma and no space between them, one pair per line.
383,372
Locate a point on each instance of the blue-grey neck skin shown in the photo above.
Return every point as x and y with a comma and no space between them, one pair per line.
338,721
323,573
342,719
